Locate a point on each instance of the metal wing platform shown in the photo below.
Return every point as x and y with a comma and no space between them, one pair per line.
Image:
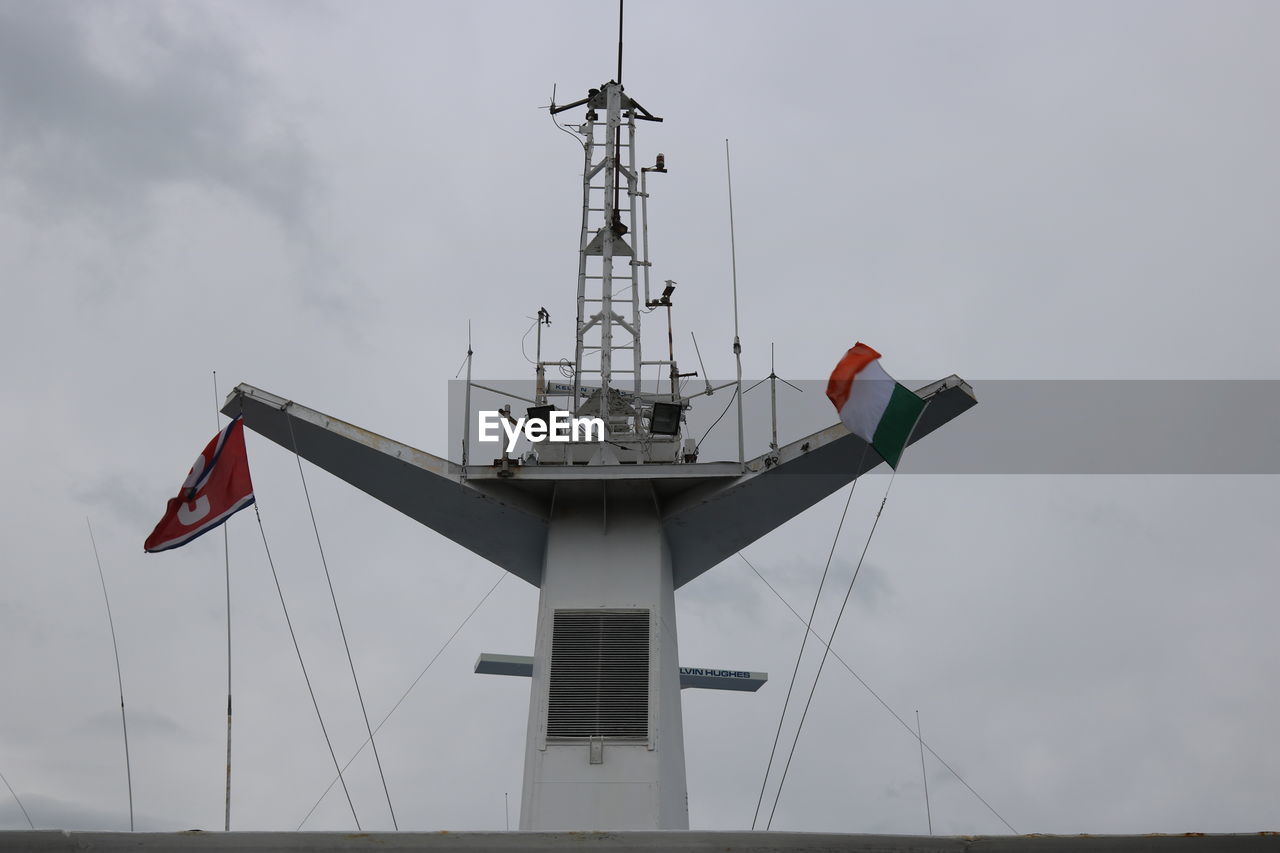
709,510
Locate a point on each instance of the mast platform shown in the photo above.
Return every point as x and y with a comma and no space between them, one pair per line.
708,510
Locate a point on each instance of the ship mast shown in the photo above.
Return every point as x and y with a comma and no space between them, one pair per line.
608,343
607,528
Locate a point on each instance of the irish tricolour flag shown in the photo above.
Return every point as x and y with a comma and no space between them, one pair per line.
871,404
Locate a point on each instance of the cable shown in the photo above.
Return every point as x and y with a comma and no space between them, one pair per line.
305,677
558,125
406,693
822,662
717,420
874,694
525,338
343,631
18,801
928,812
808,627
128,772
856,569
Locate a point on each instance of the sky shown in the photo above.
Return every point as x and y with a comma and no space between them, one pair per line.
315,198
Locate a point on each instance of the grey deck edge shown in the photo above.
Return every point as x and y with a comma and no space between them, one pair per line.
57,841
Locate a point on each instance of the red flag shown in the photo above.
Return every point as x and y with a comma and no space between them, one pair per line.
216,488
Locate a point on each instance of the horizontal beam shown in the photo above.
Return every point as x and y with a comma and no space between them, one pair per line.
690,676
708,510
722,679
506,527
712,521
491,664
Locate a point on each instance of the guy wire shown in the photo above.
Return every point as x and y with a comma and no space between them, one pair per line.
342,630
305,677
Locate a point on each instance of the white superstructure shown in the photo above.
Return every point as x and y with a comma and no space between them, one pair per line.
608,529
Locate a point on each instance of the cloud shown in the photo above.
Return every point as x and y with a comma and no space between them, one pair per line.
101,106
142,723
873,588
54,813
117,494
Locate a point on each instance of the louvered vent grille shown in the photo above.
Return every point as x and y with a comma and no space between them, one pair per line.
599,674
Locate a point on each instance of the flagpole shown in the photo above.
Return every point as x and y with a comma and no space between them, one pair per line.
226,559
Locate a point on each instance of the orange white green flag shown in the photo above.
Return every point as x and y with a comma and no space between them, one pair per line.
872,405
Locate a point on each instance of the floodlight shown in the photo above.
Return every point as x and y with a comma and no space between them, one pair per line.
540,413
665,419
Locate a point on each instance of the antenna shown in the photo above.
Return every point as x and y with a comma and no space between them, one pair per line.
18,801
773,399
466,407
620,42
705,377
737,342
124,725
773,379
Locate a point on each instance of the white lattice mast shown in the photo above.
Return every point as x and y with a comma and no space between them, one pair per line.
609,265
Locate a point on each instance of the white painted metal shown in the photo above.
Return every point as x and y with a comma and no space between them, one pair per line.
466,409
593,536
632,174
611,173
644,262
709,510
606,549
600,536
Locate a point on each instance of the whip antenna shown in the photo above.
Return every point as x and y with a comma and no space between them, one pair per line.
705,377
18,801
737,342
124,726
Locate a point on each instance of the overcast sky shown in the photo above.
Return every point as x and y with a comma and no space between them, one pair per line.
315,197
